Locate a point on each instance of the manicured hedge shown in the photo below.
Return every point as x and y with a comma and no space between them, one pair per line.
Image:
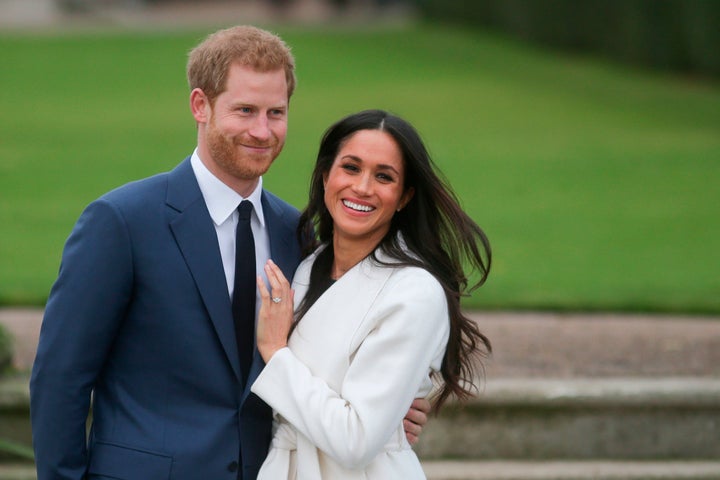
678,35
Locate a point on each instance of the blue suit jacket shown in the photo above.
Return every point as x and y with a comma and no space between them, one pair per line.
140,316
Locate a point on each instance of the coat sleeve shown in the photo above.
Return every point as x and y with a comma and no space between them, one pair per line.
405,332
81,318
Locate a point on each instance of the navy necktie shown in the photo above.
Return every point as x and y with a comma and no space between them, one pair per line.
243,302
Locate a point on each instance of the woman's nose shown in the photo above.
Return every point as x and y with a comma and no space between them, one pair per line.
363,185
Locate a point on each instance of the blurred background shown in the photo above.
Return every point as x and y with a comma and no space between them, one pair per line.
583,136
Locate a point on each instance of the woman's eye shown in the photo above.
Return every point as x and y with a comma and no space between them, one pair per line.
350,168
385,177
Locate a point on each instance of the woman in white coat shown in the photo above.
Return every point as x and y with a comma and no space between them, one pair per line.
373,315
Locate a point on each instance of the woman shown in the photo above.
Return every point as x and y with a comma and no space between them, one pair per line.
378,313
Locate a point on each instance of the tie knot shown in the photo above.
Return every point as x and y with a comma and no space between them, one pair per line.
245,209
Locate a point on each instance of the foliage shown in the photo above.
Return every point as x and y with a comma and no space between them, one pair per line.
679,35
597,184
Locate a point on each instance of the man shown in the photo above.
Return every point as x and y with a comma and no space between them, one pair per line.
141,315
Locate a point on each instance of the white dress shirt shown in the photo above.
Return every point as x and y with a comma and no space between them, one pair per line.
222,202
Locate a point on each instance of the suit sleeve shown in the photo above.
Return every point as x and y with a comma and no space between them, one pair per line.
81,318
409,332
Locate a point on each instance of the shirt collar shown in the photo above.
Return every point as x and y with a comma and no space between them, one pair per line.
220,199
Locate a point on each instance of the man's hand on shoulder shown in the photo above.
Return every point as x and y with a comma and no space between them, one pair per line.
416,419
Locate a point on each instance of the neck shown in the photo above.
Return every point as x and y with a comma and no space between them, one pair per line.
348,253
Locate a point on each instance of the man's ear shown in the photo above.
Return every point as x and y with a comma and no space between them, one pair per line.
199,105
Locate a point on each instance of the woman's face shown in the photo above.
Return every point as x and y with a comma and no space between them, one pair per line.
365,186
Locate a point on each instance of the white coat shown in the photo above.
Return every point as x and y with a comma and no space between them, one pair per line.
355,362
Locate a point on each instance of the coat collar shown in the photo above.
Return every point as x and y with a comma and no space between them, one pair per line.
354,291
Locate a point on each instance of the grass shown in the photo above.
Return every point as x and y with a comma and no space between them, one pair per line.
597,184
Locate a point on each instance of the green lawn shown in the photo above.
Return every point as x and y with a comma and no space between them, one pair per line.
599,186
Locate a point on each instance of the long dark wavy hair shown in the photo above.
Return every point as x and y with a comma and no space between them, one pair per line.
439,237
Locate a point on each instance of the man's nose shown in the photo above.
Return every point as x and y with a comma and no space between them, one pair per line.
260,128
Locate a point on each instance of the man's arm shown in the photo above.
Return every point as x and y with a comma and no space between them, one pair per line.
81,318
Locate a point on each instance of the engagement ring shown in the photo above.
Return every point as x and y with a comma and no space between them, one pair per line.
276,299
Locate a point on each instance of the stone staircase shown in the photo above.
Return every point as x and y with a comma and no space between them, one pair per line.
623,419
565,397
581,429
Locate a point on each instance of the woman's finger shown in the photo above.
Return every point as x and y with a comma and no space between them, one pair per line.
264,294
265,297
275,286
278,274
280,288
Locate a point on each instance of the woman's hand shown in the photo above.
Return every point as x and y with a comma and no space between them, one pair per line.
276,312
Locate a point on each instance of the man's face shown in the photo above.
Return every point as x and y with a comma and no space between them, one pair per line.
246,128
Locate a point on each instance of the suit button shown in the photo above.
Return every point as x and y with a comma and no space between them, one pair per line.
232,466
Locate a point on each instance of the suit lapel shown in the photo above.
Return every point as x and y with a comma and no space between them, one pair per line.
195,235
281,231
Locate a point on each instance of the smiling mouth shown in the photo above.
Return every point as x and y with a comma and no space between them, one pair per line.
249,143
256,147
357,207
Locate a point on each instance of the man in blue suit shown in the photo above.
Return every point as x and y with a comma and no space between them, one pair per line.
139,324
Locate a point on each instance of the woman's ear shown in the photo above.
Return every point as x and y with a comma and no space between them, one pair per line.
407,196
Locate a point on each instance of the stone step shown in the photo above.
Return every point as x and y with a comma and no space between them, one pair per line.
572,470
508,470
554,391
14,417
10,471
618,418
536,419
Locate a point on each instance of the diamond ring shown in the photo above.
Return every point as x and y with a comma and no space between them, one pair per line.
276,299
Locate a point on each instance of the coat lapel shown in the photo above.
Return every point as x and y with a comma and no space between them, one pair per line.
348,299
284,249
193,229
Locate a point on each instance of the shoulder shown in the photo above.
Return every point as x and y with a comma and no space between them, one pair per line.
411,299
414,282
279,211
178,188
134,196
278,204
138,190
